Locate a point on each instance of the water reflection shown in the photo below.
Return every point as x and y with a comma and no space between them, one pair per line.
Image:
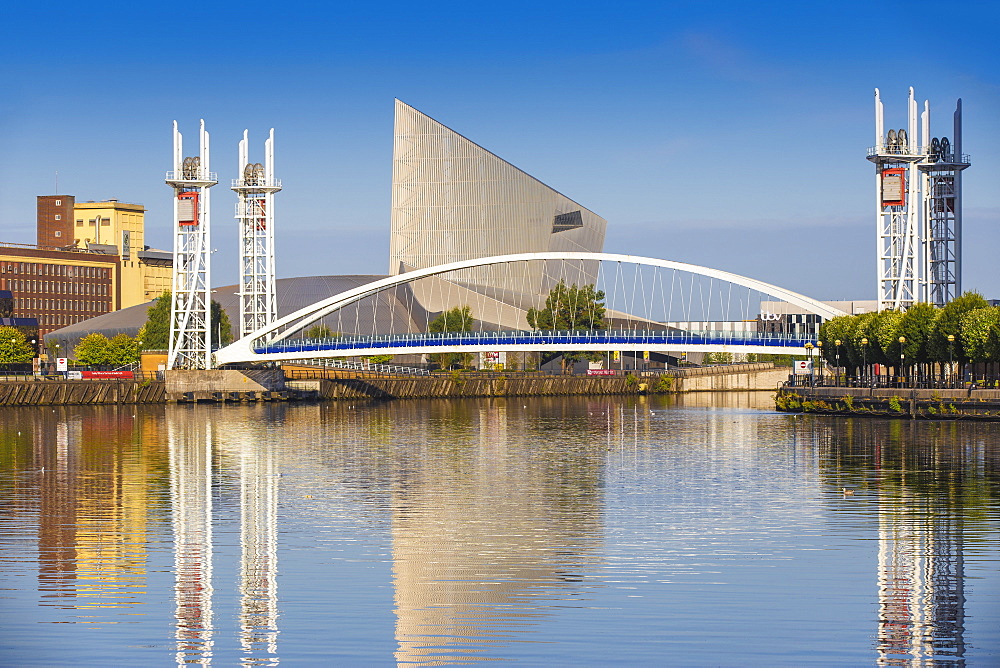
190,439
202,451
253,455
90,474
484,530
924,477
493,518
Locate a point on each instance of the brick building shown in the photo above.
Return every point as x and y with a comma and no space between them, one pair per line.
59,287
90,258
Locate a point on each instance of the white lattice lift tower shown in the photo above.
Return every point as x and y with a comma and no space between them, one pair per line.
255,211
190,308
918,199
942,214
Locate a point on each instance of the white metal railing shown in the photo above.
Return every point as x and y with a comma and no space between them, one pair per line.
256,183
363,366
254,210
883,149
555,337
200,176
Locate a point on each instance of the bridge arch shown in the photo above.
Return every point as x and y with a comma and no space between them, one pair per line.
283,328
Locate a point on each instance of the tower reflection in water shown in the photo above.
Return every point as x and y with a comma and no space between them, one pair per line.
193,439
921,575
254,455
190,442
920,474
921,591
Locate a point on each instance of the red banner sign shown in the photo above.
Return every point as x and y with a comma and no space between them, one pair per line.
106,374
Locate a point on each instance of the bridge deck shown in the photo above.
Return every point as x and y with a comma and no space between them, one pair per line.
540,340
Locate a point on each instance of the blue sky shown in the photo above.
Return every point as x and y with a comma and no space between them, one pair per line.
730,134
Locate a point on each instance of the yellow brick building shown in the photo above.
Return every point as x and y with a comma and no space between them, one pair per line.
145,274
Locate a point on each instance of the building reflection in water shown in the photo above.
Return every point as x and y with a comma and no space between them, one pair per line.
918,471
483,532
190,440
93,505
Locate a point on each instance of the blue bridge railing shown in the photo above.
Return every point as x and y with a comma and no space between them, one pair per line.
626,339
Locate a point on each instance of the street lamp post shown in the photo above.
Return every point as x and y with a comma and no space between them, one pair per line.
902,359
951,355
819,359
837,353
809,350
864,359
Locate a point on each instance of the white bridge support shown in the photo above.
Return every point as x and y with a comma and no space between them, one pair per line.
283,328
190,307
255,211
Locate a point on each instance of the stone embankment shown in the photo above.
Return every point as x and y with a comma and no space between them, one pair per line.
271,385
913,403
57,392
439,386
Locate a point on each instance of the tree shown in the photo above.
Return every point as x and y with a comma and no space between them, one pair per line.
949,321
380,359
458,319
832,330
717,358
14,347
320,331
222,329
121,350
157,327
570,308
883,329
54,346
917,325
980,329
92,349
857,330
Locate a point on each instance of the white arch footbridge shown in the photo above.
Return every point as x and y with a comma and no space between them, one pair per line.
646,299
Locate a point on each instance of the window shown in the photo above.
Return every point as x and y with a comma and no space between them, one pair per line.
58,233
79,222
58,203
58,217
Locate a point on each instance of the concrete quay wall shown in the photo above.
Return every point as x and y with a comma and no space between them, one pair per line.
737,377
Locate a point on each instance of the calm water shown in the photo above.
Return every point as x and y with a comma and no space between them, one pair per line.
709,531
